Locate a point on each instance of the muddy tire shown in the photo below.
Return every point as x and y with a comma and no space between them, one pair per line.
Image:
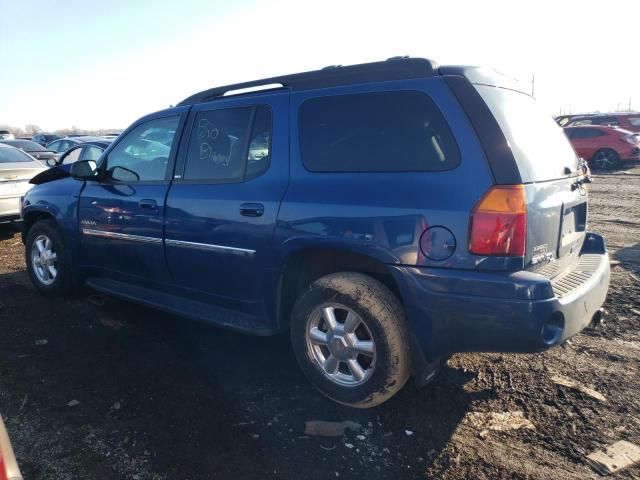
605,159
350,338
48,263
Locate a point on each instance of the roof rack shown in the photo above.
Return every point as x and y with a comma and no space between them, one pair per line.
395,68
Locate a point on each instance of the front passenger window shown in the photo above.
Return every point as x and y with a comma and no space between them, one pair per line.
140,154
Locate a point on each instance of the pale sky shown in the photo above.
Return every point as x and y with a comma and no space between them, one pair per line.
103,64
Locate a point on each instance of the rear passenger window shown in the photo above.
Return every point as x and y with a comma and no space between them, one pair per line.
229,145
376,132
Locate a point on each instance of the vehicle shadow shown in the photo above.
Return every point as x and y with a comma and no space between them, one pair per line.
629,257
192,400
8,230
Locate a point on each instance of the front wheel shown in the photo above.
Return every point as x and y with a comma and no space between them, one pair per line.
47,261
606,159
349,336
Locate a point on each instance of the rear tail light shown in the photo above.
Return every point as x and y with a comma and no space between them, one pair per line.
498,223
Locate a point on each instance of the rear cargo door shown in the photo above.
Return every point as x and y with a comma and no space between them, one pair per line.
548,166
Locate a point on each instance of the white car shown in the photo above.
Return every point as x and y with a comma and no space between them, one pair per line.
16,169
6,135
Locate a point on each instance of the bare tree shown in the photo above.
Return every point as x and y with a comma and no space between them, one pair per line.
32,129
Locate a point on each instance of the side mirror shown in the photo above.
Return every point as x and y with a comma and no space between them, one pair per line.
84,170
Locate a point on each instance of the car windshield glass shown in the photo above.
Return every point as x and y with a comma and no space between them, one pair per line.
11,155
538,143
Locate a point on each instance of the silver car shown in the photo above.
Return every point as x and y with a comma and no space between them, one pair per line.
16,169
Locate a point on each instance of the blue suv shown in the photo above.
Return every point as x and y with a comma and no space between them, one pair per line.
386,215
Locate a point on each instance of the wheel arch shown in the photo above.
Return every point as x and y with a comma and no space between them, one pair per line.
30,217
305,265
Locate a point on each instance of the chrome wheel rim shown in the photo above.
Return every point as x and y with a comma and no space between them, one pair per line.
605,160
44,260
341,345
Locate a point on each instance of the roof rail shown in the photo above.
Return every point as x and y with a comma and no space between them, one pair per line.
396,68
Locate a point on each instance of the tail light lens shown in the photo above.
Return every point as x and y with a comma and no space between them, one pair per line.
498,224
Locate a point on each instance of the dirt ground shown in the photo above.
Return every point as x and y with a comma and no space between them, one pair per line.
164,398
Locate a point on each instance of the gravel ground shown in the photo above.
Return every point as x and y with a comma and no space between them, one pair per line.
93,387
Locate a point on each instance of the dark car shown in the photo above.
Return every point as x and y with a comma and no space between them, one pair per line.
386,215
44,138
604,147
84,151
34,149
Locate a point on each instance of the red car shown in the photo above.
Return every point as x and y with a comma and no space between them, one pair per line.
8,467
604,147
627,120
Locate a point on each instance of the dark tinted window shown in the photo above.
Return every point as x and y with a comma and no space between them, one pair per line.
229,144
605,121
592,133
375,132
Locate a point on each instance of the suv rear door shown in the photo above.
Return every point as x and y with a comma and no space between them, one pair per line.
223,203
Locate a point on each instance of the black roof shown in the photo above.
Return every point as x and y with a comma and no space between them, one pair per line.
396,68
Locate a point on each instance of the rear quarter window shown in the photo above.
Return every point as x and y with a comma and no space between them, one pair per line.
539,145
401,131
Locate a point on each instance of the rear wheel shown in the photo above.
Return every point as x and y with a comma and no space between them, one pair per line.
605,159
349,336
48,264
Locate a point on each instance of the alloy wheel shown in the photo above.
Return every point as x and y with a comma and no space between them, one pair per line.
341,345
44,260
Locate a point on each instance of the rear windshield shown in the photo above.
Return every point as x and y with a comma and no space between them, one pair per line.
26,145
12,155
538,143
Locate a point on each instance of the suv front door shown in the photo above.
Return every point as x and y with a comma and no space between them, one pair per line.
223,203
122,214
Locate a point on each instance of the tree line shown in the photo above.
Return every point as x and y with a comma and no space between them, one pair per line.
31,129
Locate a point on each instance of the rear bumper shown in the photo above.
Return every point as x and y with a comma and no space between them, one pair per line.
464,311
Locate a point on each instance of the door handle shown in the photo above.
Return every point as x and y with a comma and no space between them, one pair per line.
148,203
252,209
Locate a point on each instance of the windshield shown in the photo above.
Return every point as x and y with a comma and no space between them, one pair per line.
12,155
538,143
